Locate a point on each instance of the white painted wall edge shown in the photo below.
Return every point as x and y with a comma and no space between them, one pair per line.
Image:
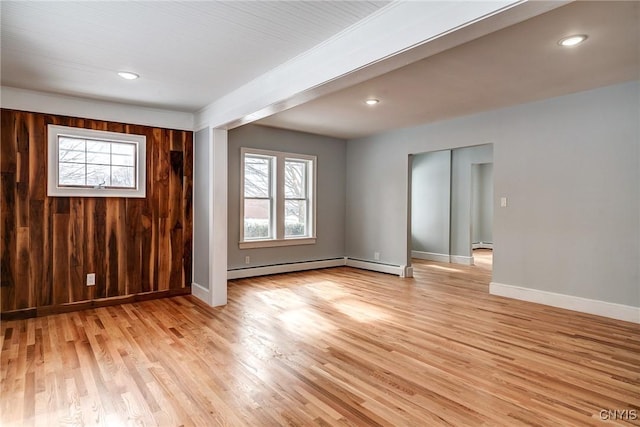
218,224
569,302
200,292
464,260
284,268
430,256
41,102
408,271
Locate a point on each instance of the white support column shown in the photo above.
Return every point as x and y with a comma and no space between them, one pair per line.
218,161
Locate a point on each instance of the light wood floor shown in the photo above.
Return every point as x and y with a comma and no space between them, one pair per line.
483,258
331,347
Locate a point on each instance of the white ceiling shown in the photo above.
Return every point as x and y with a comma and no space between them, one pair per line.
191,53
518,64
188,53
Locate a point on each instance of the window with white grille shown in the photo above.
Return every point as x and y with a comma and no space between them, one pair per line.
277,199
90,163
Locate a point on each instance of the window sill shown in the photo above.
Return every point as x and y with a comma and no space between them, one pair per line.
276,243
96,192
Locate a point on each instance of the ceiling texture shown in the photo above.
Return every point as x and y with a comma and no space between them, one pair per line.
192,53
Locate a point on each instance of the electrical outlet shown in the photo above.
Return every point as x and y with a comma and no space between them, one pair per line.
247,259
376,256
91,279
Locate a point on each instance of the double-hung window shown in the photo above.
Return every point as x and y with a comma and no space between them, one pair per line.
278,199
259,200
90,163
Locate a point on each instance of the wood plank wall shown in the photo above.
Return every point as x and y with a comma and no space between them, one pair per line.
49,244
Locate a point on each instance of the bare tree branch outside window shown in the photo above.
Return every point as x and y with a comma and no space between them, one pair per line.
270,174
295,193
93,163
257,196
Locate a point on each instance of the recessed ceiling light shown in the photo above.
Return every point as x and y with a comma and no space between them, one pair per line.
128,75
372,101
572,40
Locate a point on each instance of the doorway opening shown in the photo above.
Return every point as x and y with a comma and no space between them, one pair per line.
482,214
451,207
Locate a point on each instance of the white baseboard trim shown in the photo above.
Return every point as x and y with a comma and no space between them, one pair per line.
242,273
464,260
430,256
398,270
200,292
482,245
569,302
283,268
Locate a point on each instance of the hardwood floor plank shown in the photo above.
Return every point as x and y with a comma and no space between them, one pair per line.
335,347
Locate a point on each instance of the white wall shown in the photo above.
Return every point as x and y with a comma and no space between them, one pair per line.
570,169
330,198
201,207
482,203
50,103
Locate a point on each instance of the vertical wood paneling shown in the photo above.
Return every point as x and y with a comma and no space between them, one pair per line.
147,249
134,246
8,258
22,175
44,289
37,152
61,288
112,247
175,213
90,243
187,203
121,235
76,250
162,193
22,268
100,247
8,165
48,245
37,246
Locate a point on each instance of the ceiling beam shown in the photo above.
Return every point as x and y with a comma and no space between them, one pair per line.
396,35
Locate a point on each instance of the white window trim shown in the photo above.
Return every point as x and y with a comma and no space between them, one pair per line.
279,239
54,190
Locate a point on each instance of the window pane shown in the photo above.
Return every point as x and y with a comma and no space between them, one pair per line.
70,174
257,219
71,150
295,220
98,152
257,176
98,175
82,160
122,176
295,185
123,154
